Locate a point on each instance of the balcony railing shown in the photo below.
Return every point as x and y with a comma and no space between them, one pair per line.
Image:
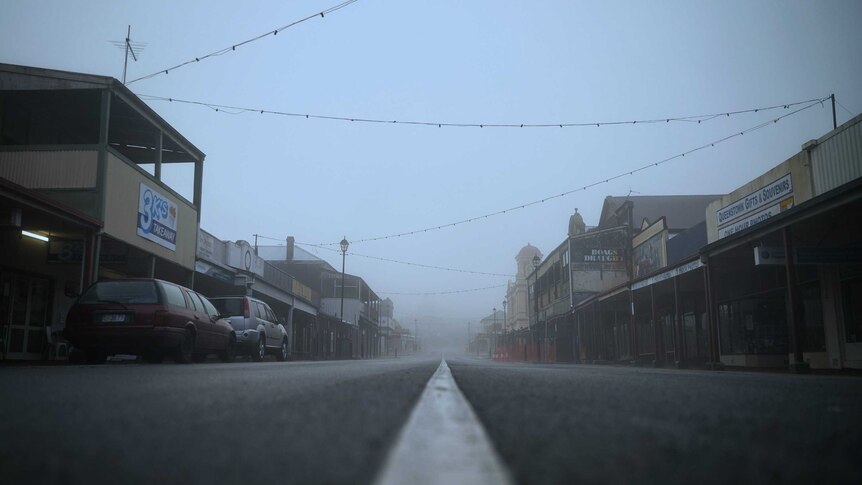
288,283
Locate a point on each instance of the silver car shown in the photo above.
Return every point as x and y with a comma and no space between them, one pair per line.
257,329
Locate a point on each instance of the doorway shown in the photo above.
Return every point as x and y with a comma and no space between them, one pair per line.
24,311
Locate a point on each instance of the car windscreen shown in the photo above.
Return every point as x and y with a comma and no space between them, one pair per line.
228,307
125,292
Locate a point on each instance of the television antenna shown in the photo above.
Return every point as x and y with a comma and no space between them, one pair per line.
130,47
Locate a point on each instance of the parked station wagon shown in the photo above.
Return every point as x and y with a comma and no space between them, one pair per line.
257,329
149,318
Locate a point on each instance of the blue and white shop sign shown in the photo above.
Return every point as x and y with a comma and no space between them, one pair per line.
157,218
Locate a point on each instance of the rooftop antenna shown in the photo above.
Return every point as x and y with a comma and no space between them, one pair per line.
129,47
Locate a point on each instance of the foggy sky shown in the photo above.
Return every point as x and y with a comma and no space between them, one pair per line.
454,61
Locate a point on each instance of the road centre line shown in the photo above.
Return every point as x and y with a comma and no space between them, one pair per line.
443,442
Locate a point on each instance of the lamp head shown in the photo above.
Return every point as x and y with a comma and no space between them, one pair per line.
344,244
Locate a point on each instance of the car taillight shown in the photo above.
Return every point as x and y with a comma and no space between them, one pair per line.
246,312
160,317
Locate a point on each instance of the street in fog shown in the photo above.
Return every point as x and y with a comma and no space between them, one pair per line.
315,422
608,424
334,422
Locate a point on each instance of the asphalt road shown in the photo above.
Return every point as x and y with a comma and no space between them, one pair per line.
333,422
601,424
269,422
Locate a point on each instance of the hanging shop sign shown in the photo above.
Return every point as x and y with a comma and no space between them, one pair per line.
157,218
213,271
755,207
679,270
61,251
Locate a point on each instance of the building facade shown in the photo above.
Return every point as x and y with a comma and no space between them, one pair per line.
83,198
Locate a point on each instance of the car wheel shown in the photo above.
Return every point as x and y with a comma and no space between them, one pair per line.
283,353
199,358
95,358
186,348
259,352
153,356
229,352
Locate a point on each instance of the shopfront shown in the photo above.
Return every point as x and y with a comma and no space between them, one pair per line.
42,269
785,260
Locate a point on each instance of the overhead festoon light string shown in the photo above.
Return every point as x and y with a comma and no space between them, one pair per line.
588,186
431,293
407,263
234,110
233,47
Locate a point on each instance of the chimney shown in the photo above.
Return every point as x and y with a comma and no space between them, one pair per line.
289,251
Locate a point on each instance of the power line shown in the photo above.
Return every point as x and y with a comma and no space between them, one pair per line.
588,186
239,44
235,110
440,292
844,108
377,258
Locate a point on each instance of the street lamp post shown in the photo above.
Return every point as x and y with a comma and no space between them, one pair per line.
494,333
505,324
536,262
344,245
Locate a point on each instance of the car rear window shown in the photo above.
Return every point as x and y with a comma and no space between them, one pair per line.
125,292
228,307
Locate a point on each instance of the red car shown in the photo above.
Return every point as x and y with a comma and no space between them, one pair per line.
150,318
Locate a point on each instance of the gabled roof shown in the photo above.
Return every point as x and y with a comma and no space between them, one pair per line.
680,211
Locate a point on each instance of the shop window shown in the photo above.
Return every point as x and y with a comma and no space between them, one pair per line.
646,336
666,322
815,336
756,325
852,297
690,335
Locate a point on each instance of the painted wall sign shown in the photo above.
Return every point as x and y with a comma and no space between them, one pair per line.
650,256
241,256
157,218
760,198
206,246
604,250
755,218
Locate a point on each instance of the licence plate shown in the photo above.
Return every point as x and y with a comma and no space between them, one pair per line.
113,318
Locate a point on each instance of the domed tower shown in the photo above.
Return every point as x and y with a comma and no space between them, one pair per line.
525,259
516,293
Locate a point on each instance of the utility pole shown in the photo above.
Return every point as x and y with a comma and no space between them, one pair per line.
834,118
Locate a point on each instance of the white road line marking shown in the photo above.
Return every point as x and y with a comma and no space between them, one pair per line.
443,442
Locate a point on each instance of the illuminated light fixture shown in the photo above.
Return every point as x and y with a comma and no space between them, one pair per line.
34,235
